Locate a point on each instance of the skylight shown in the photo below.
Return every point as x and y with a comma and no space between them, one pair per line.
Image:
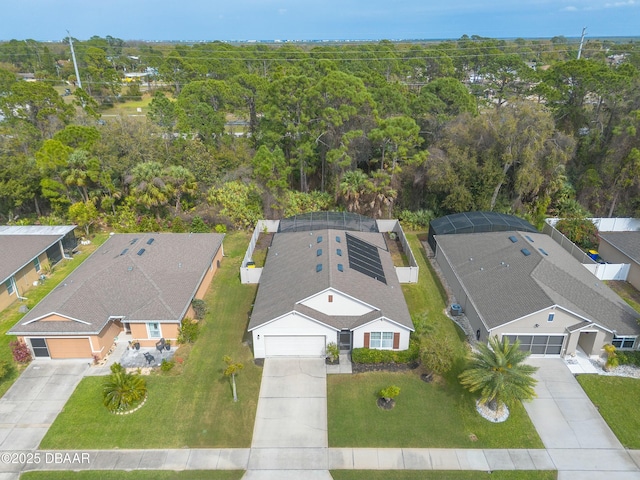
543,251
320,239
338,239
319,252
525,252
141,251
150,241
340,268
319,267
339,252
529,238
513,238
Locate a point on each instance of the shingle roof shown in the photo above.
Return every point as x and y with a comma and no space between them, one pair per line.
504,284
627,242
290,276
115,281
16,251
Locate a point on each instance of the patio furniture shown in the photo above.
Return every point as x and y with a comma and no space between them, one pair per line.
160,345
149,358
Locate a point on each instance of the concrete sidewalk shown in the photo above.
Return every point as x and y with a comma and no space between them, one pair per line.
574,463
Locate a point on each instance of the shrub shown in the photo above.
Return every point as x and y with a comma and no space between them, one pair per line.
390,392
198,225
221,228
370,355
612,357
418,220
117,368
628,357
333,352
20,351
166,366
189,330
5,369
199,308
122,391
437,354
580,231
178,225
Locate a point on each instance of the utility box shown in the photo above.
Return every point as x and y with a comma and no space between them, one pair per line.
456,309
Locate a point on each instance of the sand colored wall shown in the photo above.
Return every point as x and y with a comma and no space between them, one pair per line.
103,342
69,347
24,281
169,331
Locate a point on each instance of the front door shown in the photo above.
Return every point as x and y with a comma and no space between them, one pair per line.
344,340
39,347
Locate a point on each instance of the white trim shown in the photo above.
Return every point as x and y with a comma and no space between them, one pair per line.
295,312
334,291
386,319
60,315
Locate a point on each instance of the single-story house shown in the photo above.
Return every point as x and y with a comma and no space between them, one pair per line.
139,284
622,247
527,287
325,286
24,252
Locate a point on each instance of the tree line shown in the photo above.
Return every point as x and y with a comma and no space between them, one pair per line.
236,132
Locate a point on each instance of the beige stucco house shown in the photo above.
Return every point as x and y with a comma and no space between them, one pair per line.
140,284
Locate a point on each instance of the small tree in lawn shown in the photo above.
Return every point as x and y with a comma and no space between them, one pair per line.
498,373
230,371
387,396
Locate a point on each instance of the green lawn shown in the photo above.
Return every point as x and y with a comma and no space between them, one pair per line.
440,414
440,475
136,475
194,409
615,398
10,316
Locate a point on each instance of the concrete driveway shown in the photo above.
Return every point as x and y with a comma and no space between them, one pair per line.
292,408
562,413
34,401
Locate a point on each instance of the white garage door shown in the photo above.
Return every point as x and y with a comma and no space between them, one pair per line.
294,346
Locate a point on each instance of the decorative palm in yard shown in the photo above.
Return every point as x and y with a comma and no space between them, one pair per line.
498,373
123,391
232,369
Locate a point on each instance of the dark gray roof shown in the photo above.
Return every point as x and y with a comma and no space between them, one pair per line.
627,242
290,276
155,286
504,284
16,251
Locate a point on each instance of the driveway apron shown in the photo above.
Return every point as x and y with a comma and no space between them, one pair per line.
292,408
34,401
290,434
562,413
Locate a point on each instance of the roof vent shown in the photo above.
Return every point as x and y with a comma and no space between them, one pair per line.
319,252
513,239
150,241
319,267
525,252
340,268
141,251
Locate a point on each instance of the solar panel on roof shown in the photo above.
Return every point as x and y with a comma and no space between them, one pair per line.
365,258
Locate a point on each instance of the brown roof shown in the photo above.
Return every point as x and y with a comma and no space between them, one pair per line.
290,276
16,251
505,285
121,280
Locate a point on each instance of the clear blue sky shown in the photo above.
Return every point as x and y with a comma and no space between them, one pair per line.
315,19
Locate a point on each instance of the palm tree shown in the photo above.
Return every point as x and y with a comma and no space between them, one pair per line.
498,373
351,188
230,371
121,391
